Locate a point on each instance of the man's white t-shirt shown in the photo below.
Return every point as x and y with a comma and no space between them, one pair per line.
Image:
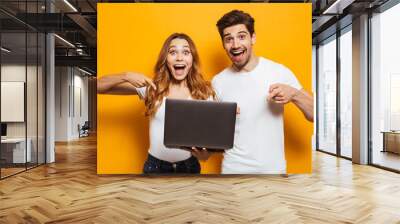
156,134
259,136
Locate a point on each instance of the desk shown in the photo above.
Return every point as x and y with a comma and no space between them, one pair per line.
13,150
391,141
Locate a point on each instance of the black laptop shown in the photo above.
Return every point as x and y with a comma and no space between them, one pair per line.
199,123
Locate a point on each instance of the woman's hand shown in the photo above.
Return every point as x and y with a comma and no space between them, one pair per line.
138,80
201,154
123,83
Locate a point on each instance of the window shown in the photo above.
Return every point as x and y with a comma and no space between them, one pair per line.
346,92
385,88
327,96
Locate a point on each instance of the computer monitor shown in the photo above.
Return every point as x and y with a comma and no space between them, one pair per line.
3,129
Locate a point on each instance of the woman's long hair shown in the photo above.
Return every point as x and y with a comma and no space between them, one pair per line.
198,87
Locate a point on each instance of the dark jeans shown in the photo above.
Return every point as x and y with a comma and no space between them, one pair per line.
157,166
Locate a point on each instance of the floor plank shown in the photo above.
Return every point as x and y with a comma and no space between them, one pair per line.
70,191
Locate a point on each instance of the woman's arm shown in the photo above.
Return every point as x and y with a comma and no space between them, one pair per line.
123,84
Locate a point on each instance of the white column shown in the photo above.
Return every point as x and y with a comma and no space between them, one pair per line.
360,90
50,99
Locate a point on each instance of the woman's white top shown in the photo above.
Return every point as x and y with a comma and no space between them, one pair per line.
156,129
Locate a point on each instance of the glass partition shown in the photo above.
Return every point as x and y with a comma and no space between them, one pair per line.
14,154
22,88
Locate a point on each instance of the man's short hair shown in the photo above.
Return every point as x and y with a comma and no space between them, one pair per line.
235,17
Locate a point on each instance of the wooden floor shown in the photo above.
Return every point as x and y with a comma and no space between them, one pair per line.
387,159
5,172
69,191
9,171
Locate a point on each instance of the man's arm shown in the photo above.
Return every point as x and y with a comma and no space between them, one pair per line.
305,102
283,94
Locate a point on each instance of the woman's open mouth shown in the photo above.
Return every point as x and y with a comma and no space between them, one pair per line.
179,69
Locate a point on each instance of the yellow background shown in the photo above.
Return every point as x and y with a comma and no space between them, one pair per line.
130,37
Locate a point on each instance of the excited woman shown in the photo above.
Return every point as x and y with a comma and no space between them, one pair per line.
178,76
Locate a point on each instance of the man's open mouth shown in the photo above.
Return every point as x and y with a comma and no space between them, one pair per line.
237,54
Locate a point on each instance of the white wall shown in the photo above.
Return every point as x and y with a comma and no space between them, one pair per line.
81,100
62,78
71,94
12,73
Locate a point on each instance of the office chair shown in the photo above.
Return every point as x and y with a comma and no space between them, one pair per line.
84,130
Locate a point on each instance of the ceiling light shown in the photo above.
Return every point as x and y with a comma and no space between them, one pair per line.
5,50
84,71
70,5
65,41
337,7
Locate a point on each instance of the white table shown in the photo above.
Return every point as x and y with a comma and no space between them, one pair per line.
18,149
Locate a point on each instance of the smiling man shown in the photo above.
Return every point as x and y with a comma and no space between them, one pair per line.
261,88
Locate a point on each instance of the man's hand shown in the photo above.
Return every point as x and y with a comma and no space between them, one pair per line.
281,93
139,80
201,154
